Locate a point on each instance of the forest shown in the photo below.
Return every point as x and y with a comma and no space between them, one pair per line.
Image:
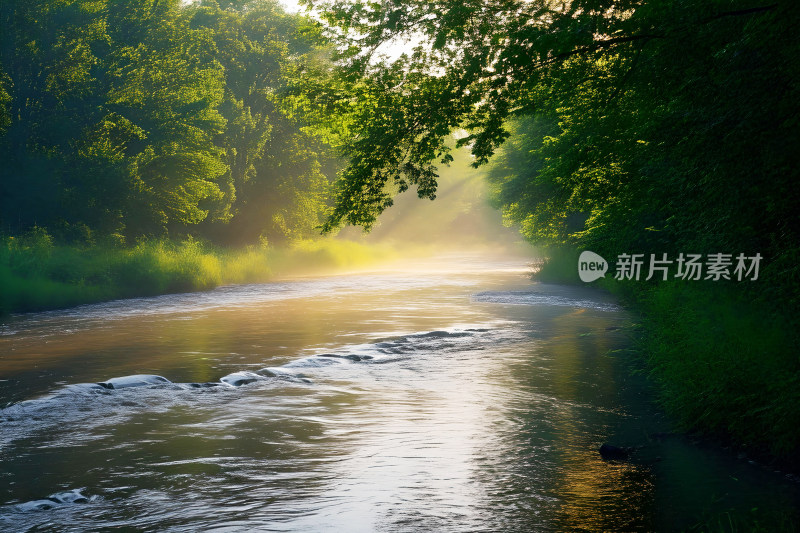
133,131
123,120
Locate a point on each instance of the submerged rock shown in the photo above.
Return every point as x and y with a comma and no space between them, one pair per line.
205,385
441,334
37,505
52,501
608,451
237,379
97,387
140,380
282,373
351,357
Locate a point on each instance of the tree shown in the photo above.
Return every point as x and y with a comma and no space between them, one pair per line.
48,57
166,84
641,125
277,187
155,117
111,116
482,62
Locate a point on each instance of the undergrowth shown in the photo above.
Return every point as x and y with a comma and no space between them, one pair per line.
723,355
37,274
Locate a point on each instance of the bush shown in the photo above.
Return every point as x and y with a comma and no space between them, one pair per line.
36,274
724,365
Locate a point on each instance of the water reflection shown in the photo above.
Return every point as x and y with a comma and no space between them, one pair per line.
426,407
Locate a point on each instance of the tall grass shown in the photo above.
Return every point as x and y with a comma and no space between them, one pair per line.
36,274
558,266
725,362
724,365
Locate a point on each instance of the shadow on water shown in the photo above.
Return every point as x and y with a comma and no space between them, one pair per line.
455,397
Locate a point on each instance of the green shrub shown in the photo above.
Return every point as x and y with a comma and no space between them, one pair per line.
723,365
36,274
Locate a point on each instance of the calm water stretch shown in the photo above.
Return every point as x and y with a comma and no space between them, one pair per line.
454,396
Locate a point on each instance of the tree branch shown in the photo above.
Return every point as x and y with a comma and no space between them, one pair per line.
599,45
739,13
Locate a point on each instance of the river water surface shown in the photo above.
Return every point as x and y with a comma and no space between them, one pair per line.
453,396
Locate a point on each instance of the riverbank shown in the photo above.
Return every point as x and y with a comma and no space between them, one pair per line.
724,362
36,274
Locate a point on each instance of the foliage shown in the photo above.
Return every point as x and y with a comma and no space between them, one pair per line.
621,127
477,62
279,165
723,365
36,274
636,125
132,119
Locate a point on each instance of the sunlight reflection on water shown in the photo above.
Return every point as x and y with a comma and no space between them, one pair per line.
387,401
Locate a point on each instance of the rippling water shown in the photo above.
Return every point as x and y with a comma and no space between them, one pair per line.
456,396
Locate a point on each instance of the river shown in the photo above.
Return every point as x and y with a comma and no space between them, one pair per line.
451,395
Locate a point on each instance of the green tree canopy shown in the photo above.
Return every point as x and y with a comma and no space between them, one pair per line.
142,118
636,125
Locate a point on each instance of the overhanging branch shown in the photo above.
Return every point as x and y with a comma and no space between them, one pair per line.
739,13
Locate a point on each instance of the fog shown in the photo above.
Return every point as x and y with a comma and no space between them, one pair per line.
460,218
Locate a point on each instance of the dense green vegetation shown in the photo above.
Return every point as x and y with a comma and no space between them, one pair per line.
724,364
152,146
36,273
638,126
121,120
683,160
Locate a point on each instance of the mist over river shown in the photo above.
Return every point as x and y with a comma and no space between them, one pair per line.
453,394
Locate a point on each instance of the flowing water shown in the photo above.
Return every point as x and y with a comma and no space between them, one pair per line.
454,396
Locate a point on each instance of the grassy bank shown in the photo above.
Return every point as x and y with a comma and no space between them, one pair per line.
36,274
725,366
724,360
